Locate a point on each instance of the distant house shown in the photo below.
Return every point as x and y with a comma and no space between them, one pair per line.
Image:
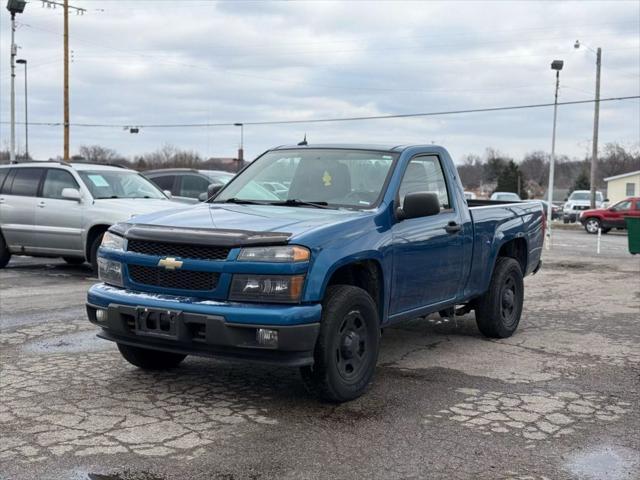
622,186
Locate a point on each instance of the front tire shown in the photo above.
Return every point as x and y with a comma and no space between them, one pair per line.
346,351
5,254
150,359
498,310
591,225
93,253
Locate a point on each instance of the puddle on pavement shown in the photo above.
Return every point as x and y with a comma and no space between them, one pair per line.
605,463
72,343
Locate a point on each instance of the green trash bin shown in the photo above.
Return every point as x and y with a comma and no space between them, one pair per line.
633,227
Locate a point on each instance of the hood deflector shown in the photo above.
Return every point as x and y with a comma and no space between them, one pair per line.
200,236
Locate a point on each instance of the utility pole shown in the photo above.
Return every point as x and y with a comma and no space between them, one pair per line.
66,81
80,11
596,119
557,66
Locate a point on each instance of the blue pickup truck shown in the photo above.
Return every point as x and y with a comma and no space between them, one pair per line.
364,237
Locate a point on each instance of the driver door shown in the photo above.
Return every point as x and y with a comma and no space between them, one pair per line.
427,251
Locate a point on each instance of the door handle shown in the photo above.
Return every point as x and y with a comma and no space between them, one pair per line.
41,204
453,227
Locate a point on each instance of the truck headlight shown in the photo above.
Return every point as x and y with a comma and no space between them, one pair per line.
112,241
286,253
267,288
110,272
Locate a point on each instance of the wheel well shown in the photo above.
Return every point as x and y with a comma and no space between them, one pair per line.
365,274
516,248
91,236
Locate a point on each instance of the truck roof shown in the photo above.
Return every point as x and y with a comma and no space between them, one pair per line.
357,146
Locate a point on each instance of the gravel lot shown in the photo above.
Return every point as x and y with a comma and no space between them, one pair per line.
557,400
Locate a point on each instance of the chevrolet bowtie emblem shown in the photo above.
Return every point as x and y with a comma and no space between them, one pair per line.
170,263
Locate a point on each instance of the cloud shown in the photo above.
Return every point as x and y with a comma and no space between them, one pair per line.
201,61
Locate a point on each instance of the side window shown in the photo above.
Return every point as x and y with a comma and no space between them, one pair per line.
192,186
424,174
55,181
165,182
26,181
624,205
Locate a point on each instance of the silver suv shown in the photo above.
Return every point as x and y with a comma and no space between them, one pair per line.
56,209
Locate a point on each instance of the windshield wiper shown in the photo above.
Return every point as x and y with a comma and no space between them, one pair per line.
294,202
240,201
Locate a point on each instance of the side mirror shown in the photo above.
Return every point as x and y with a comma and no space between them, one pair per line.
203,197
566,199
419,204
212,190
168,193
606,200
71,194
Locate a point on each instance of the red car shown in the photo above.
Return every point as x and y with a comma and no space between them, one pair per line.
611,217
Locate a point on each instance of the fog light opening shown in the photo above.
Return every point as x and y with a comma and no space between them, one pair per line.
267,337
101,315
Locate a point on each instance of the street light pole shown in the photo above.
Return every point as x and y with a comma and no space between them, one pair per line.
12,154
596,120
557,66
14,6
22,61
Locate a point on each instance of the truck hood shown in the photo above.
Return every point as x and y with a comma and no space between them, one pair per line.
257,218
137,206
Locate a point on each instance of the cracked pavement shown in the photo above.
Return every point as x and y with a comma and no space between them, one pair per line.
558,400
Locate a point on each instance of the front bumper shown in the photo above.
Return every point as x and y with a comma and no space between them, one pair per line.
208,328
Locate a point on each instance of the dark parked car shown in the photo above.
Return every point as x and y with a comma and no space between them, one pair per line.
556,211
186,184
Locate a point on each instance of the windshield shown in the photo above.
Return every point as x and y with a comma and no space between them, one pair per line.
115,184
220,178
333,177
585,196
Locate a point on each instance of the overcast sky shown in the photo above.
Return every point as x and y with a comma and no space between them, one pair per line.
194,61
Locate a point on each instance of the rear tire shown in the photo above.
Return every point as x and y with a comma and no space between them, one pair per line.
93,253
73,260
498,310
150,359
5,254
591,225
346,351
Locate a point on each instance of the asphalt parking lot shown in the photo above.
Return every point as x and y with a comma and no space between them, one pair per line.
557,400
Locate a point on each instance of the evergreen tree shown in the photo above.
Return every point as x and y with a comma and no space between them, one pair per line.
582,182
508,179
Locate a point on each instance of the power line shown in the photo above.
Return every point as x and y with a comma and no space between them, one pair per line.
335,119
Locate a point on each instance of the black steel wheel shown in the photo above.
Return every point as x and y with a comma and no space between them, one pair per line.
346,351
498,311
